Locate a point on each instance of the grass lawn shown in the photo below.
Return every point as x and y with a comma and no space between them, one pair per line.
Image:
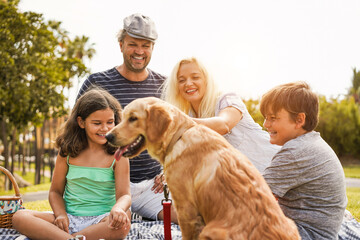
29,177
353,206
33,188
352,171
41,205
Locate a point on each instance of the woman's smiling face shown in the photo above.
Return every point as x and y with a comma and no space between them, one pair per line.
191,83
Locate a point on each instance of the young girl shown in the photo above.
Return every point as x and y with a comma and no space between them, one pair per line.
191,89
90,191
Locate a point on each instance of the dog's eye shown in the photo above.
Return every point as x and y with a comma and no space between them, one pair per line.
132,119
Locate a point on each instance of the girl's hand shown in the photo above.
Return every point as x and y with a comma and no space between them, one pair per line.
62,222
118,219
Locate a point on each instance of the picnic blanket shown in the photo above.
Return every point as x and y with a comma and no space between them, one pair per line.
350,228
140,230
154,230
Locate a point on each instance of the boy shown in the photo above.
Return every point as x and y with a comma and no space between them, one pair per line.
305,175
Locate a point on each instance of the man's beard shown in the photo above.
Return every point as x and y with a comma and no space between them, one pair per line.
131,68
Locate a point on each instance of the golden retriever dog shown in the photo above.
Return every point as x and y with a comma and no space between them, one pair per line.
217,192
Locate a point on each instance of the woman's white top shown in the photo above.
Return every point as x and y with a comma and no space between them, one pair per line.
247,136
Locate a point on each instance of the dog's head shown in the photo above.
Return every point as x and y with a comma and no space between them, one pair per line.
146,123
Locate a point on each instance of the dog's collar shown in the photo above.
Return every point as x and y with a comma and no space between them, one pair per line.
175,139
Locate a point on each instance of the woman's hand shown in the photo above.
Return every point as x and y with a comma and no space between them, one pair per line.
159,183
118,219
62,222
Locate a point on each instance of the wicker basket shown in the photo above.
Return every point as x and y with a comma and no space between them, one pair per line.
9,204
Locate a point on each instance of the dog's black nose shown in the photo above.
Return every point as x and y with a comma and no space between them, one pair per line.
110,137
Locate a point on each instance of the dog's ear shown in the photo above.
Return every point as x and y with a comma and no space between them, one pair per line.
157,122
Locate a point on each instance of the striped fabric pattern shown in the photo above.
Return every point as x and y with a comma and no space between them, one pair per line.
142,167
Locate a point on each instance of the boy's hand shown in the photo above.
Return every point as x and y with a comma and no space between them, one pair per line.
62,222
118,219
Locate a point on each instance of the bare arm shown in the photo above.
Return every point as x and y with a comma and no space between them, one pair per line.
56,194
227,119
118,217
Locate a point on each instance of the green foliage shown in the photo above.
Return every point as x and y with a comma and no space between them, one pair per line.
27,69
355,88
339,125
37,62
253,107
79,48
36,66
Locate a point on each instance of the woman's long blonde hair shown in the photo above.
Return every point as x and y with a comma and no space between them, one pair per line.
171,91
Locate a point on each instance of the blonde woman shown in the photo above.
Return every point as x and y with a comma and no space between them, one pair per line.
191,88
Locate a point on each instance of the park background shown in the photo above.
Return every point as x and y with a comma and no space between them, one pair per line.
48,48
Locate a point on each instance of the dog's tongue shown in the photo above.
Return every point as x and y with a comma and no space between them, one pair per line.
120,152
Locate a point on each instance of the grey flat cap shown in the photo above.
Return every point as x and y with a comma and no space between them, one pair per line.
140,26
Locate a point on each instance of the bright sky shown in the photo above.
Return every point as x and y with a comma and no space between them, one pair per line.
249,46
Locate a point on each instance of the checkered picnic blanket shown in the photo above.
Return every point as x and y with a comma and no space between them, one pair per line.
350,228
154,230
10,234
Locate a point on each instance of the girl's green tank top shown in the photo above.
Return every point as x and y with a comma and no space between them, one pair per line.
89,191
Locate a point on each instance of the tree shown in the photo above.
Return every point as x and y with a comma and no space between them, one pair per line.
35,69
354,91
79,48
339,125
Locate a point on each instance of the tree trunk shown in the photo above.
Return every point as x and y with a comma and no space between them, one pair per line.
51,146
19,154
38,155
13,148
31,150
24,153
6,149
43,150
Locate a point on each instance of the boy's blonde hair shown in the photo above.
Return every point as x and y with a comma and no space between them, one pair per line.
295,97
172,95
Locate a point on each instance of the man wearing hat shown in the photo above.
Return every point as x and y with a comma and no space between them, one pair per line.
127,82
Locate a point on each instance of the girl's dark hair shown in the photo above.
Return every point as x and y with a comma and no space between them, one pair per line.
71,139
